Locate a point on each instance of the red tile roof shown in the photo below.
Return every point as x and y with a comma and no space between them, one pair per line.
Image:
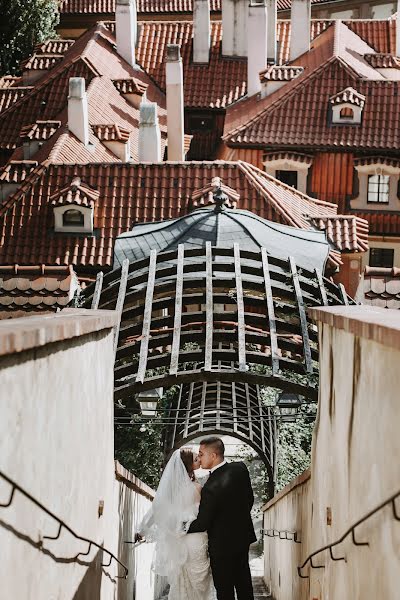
205,195
11,95
33,289
41,130
280,73
349,96
111,133
160,191
75,193
9,81
41,62
93,57
103,7
347,233
16,171
381,222
297,115
380,287
383,61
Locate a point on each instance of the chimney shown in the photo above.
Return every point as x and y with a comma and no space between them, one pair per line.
202,31
126,29
257,44
272,30
300,28
78,115
149,133
234,27
175,117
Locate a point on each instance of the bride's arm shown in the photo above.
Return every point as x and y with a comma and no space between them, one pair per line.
208,507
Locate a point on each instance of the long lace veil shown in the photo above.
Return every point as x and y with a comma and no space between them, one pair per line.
174,507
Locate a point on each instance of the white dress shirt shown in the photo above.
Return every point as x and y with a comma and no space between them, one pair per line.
221,464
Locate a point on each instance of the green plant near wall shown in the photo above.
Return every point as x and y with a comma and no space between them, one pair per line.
23,24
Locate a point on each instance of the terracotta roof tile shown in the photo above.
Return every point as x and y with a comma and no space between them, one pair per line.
160,191
41,130
381,222
11,95
130,85
297,156
281,73
103,7
380,287
41,62
54,46
373,160
9,81
349,96
93,57
111,133
298,113
347,233
38,288
205,195
17,171
77,193
383,61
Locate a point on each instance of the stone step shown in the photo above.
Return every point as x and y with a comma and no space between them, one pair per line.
260,591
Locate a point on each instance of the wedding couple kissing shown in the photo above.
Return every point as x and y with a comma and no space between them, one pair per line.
202,532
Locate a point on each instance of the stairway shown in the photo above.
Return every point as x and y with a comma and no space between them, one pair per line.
260,591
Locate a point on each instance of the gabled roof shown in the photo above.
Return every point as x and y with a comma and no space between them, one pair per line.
297,115
205,196
111,132
75,193
41,130
16,171
94,58
131,193
348,96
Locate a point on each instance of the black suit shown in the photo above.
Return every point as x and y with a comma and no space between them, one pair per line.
226,502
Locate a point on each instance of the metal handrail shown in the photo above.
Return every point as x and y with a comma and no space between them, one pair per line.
61,525
351,530
282,534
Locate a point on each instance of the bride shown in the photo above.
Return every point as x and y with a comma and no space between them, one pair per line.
182,558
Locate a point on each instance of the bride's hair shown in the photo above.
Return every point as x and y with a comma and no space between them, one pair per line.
187,458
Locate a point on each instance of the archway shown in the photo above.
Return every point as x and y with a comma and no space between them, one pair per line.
218,322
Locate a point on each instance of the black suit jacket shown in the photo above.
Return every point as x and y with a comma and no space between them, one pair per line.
226,502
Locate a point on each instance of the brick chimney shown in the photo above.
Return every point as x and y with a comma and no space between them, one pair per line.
257,44
300,28
175,115
126,29
78,115
149,133
272,30
234,27
201,31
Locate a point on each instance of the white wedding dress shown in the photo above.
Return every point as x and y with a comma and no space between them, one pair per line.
194,580
180,557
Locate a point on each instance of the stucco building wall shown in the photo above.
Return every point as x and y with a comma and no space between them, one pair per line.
56,442
354,464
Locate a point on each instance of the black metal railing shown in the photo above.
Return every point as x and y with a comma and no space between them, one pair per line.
351,531
290,536
61,526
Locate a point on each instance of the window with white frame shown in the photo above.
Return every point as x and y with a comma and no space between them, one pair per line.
378,189
73,217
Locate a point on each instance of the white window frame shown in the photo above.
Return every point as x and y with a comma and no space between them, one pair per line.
289,164
87,226
364,171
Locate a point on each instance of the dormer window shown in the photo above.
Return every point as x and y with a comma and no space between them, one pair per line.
74,208
73,218
289,167
347,107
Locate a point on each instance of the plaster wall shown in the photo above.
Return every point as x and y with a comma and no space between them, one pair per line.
354,468
56,442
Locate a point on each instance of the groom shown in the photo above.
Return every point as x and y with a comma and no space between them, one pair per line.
226,502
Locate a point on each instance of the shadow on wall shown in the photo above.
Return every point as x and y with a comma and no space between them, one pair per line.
90,586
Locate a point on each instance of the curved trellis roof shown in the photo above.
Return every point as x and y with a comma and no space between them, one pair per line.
185,311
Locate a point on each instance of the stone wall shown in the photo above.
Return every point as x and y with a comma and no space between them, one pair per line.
56,442
354,467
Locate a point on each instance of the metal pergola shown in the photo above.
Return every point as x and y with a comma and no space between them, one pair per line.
219,322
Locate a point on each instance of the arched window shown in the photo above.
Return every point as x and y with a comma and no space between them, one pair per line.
347,113
73,218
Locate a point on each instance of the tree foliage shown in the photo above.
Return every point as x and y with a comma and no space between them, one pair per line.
24,23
